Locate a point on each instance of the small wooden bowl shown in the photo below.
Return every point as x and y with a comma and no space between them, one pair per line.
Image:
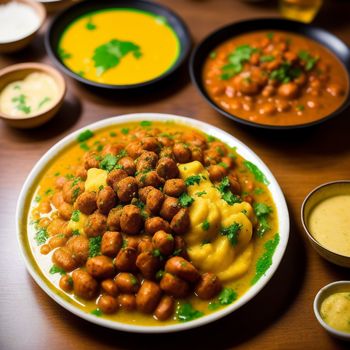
19,44
19,72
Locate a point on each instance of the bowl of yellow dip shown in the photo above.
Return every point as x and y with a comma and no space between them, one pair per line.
30,94
325,216
118,45
332,309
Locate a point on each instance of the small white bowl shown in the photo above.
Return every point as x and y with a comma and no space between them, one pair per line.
335,287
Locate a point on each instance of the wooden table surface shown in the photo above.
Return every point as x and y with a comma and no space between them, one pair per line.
281,316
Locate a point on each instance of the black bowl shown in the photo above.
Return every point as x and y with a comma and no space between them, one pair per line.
323,37
60,23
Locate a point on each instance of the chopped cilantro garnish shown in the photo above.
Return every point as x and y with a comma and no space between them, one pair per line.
145,123
258,191
76,233
90,25
267,58
21,101
109,161
309,60
270,35
185,200
84,146
49,192
57,173
258,174
200,193
85,135
232,232
227,296
94,246
213,54
285,73
226,194
262,212
205,225
75,216
43,101
224,165
55,269
191,180
97,312
159,274
124,131
186,312
41,236
37,199
300,108
210,138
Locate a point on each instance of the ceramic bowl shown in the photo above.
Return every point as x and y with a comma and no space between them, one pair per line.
335,287
315,196
19,72
12,46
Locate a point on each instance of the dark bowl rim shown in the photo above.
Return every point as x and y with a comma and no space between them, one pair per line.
268,21
302,215
185,46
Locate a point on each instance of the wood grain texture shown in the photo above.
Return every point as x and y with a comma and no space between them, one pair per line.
281,316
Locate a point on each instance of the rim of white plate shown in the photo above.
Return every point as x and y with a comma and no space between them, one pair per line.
242,149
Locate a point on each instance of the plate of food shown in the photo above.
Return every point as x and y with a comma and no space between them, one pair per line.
151,223
273,73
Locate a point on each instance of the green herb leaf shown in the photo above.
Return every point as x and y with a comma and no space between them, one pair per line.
37,199
265,261
109,161
89,25
205,225
185,200
232,232
300,108
55,269
84,146
75,216
191,180
270,35
21,101
200,193
226,194
43,101
95,246
285,73
76,233
41,236
258,174
309,60
186,312
63,54
97,312
267,58
213,55
258,191
145,123
227,296
107,56
262,211
112,134
85,135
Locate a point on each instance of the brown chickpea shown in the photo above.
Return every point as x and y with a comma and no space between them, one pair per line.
268,91
45,249
109,287
174,286
44,207
113,219
288,90
56,226
170,208
150,178
81,172
164,242
182,268
145,245
249,199
148,297
134,149
180,222
174,187
132,241
95,225
182,153
335,89
165,141
128,165
126,189
84,285
115,176
111,243
154,200
282,105
86,203
148,264
131,221
63,258
71,191
127,302
57,241
125,261
165,308
208,286
267,108
180,247
57,199
44,222
66,283
167,168
110,148
144,191
60,181
90,160
235,186
197,154
65,210
216,172
79,246
107,304
290,56
100,267
152,225
127,282
147,161
167,152
150,144
229,162
106,200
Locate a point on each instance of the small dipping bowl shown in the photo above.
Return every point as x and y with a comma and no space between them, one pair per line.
12,46
326,291
314,198
21,71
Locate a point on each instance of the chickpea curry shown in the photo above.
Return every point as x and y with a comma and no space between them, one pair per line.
151,223
275,78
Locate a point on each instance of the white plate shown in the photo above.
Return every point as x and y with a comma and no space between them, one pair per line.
242,149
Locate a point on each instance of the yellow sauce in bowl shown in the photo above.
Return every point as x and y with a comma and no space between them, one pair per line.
119,46
35,94
329,223
335,311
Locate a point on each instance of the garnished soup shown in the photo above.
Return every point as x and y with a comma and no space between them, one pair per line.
275,78
151,223
119,46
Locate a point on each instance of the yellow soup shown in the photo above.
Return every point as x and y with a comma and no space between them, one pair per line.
119,46
329,223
